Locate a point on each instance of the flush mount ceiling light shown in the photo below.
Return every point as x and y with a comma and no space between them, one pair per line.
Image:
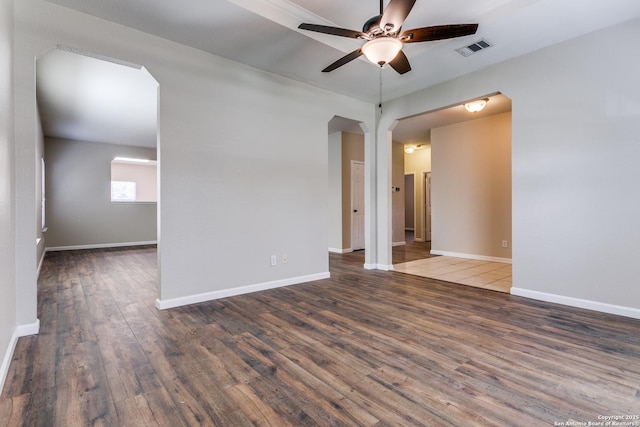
475,106
382,50
411,148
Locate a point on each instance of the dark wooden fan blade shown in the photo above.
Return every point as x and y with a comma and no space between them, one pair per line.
335,31
439,32
395,14
344,60
400,63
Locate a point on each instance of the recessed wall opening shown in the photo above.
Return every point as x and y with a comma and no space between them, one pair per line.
460,163
346,186
99,140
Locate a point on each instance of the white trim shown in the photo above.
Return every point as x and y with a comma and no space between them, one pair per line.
28,329
351,210
40,263
577,302
19,331
6,361
369,266
418,239
99,246
384,267
340,251
471,256
225,293
399,243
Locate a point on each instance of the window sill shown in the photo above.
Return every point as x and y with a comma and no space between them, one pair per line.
115,202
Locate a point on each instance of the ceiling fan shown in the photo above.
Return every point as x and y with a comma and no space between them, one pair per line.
385,37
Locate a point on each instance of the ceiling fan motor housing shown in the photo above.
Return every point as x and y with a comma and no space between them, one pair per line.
372,24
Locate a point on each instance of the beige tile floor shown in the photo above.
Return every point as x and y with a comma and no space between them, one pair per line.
495,276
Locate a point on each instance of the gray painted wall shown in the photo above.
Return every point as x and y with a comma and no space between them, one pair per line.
244,158
575,134
79,208
7,195
576,128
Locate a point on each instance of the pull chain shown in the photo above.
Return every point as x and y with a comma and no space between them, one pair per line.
380,90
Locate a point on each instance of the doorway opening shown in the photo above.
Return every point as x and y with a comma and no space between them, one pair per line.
94,110
464,194
346,186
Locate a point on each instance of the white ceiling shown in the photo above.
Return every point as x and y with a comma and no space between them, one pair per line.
85,98
264,34
415,130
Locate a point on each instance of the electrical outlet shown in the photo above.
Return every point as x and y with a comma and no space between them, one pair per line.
284,259
504,244
274,260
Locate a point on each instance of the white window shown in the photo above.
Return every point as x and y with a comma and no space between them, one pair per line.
123,191
134,180
42,195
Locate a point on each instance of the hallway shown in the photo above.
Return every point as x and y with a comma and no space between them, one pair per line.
414,258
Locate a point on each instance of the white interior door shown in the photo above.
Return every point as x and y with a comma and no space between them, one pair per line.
427,206
357,205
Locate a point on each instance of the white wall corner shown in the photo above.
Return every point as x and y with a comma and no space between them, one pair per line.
577,302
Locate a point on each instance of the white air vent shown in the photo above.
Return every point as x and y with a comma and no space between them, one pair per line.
473,48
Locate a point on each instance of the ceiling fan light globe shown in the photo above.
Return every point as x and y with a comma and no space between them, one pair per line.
382,50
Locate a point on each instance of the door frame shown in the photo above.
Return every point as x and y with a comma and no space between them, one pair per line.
351,210
426,208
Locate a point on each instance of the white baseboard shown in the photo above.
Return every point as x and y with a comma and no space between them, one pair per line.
6,360
369,266
28,329
471,256
384,267
225,293
399,243
340,251
99,246
577,302
418,239
20,331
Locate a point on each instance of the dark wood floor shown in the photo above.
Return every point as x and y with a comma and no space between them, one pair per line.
364,348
